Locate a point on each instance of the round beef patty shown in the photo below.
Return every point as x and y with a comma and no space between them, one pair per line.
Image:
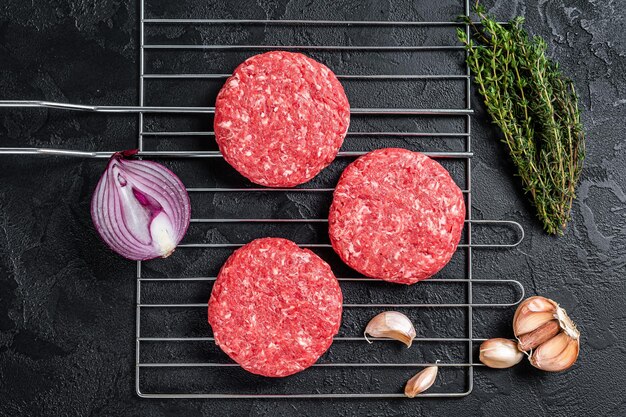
396,215
281,118
275,307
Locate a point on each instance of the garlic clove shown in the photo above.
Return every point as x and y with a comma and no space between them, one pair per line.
538,336
531,322
533,313
500,353
393,325
538,303
557,354
423,380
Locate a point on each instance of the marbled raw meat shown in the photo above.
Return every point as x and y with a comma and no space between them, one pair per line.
396,215
275,307
281,118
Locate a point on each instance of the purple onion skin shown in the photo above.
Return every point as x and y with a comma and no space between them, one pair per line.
140,209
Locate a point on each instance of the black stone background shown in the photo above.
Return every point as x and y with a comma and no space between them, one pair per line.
67,303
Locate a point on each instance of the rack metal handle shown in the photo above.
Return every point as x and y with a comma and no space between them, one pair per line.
211,110
182,154
194,110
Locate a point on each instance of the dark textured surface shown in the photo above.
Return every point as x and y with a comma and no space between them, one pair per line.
67,303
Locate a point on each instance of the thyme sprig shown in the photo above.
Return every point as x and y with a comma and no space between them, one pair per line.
536,108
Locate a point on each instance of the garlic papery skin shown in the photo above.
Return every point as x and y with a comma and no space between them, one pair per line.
500,353
544,329
393,325
567,324
423,380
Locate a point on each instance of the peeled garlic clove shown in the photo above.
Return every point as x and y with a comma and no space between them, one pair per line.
421,381
533,313
557,354
500,353
393,325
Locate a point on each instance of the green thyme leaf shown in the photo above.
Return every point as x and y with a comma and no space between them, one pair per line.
536,108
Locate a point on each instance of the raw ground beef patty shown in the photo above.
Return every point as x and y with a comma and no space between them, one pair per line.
281,118
396,215
275,307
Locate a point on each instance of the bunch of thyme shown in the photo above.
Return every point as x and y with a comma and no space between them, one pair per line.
535,106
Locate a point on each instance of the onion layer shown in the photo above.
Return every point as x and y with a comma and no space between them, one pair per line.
140,208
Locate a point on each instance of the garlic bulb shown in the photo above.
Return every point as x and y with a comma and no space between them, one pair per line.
544,328
500,353
423,380
393,325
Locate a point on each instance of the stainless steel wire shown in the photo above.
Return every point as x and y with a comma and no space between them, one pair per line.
300,22
141,109
210,110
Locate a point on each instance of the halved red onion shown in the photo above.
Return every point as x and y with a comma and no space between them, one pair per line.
140,208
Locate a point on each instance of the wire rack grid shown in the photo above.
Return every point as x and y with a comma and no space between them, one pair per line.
144,342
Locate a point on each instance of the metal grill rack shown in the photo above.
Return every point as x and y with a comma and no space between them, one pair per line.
248,386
